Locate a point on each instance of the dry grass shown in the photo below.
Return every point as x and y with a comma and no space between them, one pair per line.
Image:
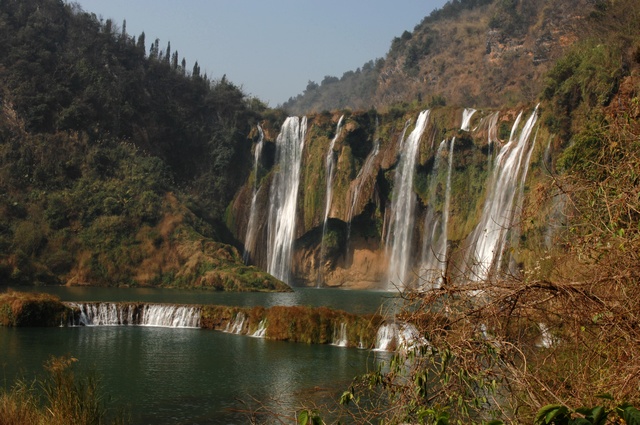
59,398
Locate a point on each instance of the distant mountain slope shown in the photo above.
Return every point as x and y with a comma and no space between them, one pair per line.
485,53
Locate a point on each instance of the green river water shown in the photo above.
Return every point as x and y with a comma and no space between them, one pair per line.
192,376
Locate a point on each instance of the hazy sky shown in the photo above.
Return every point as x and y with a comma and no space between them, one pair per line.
271,48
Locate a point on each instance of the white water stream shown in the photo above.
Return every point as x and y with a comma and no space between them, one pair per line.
120,314
467,113
489,237
400,235
283,197
250,237
330,163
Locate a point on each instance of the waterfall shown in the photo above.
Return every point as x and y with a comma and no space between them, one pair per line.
283,197
466,118
387,215
340,336
492,136
398,336
261,332
547,340
400,236
364,172
386,337
250,237
434,247
237,326
515,234
489,237
330,165
121,314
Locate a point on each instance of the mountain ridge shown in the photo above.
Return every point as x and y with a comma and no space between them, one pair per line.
480,53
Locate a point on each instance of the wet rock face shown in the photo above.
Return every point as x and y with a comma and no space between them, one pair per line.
350,245
361,265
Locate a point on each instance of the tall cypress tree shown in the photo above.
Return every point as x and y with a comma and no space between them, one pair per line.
140,44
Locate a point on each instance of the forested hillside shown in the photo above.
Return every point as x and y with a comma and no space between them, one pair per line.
102,148
480,53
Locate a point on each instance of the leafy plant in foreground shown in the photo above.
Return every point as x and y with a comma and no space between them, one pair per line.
558,414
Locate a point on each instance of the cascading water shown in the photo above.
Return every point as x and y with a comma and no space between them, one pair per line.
489,237
330,165
492,136
340,336
360,179
398,336
131,314
386,337
434,247
250,237
237,326
515,234
387,215
400,235
283,197
261,332
467,113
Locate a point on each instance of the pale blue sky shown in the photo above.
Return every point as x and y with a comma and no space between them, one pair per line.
271,48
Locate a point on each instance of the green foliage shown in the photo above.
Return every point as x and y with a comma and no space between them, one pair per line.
96,138
64,71
588,75
309,417
585,149
332,241
558,414
512,16
437,101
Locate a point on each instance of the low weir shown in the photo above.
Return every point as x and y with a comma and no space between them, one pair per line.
135,314
295,324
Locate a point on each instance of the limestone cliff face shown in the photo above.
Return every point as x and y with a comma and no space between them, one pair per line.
354,247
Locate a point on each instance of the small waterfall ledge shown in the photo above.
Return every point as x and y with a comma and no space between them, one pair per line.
135,314
310,325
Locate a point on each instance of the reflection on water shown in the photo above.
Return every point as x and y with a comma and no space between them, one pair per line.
190,376
167,376
358,302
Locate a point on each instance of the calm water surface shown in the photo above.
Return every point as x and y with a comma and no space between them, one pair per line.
191,376
358,302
